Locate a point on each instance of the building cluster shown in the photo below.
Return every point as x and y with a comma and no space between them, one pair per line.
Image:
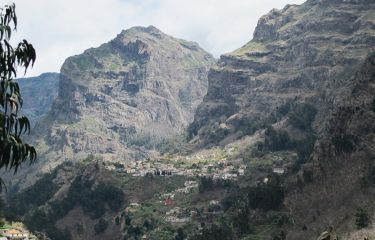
218,170
176,215
13,234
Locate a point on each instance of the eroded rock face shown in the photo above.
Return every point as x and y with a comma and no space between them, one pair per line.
38,94
302,53
134,91
321,53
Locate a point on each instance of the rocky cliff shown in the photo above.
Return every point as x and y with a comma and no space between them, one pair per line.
312,63
300,53
38,95
125,96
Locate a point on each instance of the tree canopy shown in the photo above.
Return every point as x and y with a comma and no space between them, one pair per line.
13,151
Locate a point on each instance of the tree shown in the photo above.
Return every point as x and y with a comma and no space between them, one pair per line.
101,226
362,218
13,151
180,234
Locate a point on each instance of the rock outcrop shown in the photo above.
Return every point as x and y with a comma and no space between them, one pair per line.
302,53
124,96
38,95
320,53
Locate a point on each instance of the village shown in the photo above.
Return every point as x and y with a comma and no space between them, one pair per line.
213,165
218,164
15,231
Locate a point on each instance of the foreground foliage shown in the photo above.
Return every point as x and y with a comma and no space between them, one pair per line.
13,151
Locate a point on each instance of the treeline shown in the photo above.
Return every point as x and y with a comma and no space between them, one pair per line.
238,220
94,200
208,183
300,115
31,198
32,206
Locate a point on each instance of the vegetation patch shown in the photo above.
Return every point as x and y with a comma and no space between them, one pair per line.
302,115
251,46
207,184
362,218
37,195
93,200
84,62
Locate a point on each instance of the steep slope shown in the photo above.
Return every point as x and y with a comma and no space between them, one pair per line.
134,91
307,78
303,53
38,94
71,202
342,164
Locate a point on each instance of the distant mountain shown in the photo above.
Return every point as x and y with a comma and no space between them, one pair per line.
38,95
124,98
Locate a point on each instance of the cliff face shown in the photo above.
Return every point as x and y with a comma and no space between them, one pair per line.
320,54
136,90
342,163
38,94
300,53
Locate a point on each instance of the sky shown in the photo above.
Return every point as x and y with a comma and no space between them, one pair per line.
59,29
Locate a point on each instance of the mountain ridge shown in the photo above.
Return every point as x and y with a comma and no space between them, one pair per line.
283,139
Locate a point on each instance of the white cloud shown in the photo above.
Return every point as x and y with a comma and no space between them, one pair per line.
59,29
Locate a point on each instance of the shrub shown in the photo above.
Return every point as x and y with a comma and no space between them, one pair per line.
362,218
207,183
308,175
117,220
149,224
128,220
277,140
267,196
368,178
304,148
180,234
249,127
192,131
243,222
214,232
213,133
302,115
101,226
343,143
280,236
134,231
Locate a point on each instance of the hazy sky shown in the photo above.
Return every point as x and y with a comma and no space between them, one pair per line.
61,28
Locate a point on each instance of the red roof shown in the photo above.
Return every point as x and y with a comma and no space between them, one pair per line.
168,201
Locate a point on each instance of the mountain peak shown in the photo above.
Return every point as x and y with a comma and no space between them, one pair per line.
143,84
141,30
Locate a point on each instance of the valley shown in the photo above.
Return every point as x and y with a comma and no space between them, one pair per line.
150,137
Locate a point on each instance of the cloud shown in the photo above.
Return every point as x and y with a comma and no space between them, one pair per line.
59,29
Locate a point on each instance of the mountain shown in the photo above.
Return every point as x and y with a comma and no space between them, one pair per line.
304,53
125,97
38,94
303,89
282,142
